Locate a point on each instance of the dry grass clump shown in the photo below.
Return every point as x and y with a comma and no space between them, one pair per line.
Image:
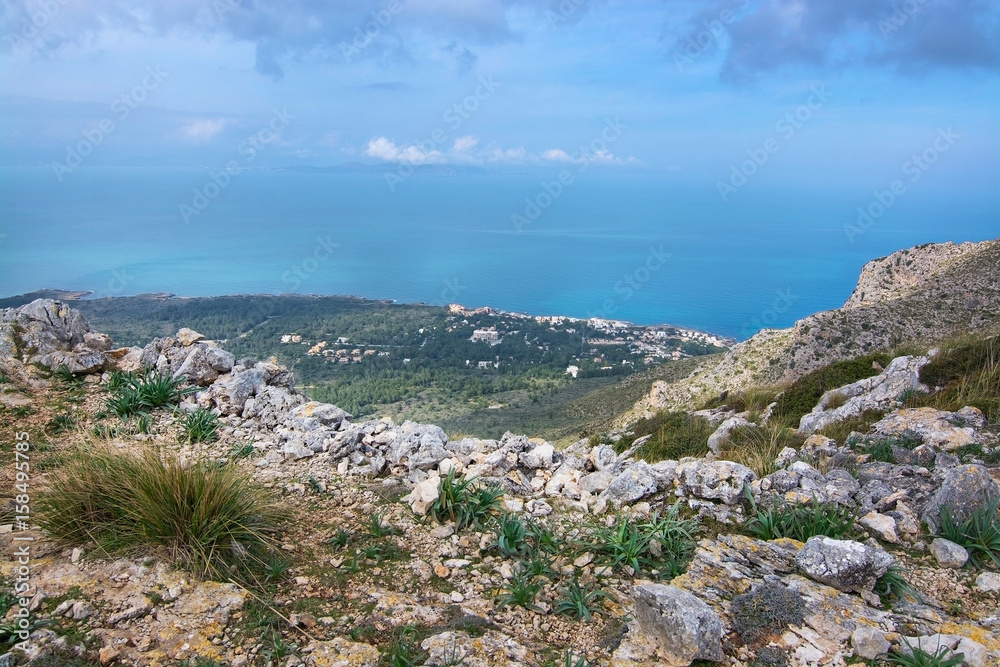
208,518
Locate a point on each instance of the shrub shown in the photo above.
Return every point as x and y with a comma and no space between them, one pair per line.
462,501
768,608
201,425
674,435
799,522
979,534
210,519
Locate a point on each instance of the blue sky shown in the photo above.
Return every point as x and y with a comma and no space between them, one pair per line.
834,93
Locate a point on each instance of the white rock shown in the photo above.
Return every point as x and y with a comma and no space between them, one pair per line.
948,554
423,495
989,582
869,642
883,525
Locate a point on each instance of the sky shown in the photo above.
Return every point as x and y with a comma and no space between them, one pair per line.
834,93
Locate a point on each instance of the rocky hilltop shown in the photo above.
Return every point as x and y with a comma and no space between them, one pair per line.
581,556
916,296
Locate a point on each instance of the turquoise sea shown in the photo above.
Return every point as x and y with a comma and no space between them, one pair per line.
634,246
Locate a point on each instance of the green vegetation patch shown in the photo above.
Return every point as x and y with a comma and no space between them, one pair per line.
674,435
802,395
779,519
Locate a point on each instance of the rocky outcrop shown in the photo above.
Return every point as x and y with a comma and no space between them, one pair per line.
945,430
52,334
919,295
875,393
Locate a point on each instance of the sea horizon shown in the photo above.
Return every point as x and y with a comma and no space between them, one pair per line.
633,246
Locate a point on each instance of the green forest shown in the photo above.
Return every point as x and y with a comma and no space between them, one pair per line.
376,358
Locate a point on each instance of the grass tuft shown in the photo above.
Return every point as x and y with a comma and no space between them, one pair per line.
201,425
979,534
463,501
208,518
757,447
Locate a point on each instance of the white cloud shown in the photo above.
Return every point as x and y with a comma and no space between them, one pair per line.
385,149
556,155
466,150
203,130
463,144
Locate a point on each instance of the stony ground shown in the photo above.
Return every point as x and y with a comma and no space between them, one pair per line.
419,585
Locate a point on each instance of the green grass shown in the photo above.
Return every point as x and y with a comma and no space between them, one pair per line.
512,536
754,400
201,425
464,502
213,520
60,424
862,423
779,519
378,528
881,449
979,534
674,436
893,587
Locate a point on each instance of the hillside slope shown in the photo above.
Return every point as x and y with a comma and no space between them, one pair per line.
914,296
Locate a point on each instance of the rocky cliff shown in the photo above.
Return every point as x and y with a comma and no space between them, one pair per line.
920,296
